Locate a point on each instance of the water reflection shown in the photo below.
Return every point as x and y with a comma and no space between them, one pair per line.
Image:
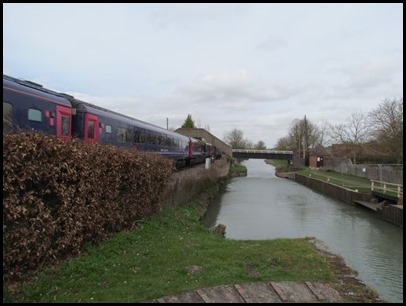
262,206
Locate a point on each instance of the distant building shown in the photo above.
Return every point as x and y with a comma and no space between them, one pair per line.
204,135
316,157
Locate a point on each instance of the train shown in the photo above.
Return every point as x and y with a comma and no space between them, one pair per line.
28,106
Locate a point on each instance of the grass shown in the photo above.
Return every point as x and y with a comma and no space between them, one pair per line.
155,260
352,182
356,183
281,165
237,170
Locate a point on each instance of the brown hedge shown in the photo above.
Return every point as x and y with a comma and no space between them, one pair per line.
59,195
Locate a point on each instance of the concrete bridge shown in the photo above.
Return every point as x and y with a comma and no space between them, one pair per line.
262,154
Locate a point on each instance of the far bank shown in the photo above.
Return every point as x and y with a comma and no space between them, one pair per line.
392,213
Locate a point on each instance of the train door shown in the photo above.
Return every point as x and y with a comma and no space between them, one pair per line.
63,122
190,148
91,134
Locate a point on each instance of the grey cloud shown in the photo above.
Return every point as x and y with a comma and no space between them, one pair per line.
272,43
234,89
187,14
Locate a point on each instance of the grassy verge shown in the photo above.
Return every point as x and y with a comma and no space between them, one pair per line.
172,252
237,170
280,165
353,182
162,257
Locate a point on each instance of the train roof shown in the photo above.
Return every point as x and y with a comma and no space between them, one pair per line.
100,111
34,89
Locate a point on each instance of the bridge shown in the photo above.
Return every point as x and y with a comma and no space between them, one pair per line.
262,154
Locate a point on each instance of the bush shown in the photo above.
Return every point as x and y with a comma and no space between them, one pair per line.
58,195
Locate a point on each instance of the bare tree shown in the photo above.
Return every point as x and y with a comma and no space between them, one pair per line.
284,143
260,145
303,136
352,134
387,127
323,134
235,139
295,136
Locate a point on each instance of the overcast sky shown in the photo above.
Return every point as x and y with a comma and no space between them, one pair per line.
254,67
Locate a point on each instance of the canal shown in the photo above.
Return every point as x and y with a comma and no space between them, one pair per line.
263,206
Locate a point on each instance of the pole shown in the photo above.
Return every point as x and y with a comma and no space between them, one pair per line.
167,123
305,142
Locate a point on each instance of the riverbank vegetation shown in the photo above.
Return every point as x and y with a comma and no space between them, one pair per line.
280,165
361,184
172,252
358,183
237,170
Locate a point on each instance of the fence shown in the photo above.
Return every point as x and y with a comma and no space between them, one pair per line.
387,188
381,172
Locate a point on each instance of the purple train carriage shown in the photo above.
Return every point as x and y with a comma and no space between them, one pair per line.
30,106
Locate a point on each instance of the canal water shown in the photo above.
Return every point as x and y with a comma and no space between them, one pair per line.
263,206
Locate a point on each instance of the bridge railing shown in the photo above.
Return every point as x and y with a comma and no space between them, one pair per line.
262,151
387,188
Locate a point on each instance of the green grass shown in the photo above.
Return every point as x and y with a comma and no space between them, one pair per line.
356,183
237,170
280,165
153,261
352,182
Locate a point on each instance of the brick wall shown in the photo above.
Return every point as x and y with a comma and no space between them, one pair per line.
208,137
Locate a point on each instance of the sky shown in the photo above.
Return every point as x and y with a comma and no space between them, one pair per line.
253,67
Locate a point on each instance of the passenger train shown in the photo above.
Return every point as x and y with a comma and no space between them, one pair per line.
30,106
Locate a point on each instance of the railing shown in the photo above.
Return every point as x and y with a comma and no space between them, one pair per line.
387,188
261,151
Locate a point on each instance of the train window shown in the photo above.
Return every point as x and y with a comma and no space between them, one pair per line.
34,115
90,129
65,125
127,136
123,135
7,117
142,137
137,137
160,140
151,139
108,129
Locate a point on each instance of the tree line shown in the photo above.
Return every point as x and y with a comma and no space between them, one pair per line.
373,136
376,136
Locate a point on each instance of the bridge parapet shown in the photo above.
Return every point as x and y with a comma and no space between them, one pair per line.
262,151
262,154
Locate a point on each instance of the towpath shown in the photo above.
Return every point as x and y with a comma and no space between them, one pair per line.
263,292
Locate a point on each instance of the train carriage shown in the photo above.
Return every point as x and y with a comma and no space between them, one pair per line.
96,124
28,106
31,107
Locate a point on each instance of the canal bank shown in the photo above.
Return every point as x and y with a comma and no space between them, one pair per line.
388,212
172,252
344,287
262,206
